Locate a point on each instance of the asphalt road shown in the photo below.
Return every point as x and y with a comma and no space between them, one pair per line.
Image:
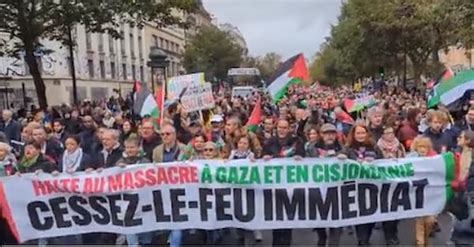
307,237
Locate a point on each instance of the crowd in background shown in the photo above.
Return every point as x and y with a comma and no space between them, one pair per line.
306,123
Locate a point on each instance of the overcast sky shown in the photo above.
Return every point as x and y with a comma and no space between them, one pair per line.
283,26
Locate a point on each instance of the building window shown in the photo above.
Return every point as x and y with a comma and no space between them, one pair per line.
122,43
154,40
162,43
101,42
111,44
90,66
112,69
124,71
140,47
102,69
88,41
142,74
132,45
69,66
99,92
134,73
167,45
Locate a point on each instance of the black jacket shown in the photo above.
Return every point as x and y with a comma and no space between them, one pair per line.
319,149
72,126
87,141
54,150
111,161
149,145
12,130
363,152
283,148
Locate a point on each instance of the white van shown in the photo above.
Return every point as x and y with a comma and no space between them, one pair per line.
244,91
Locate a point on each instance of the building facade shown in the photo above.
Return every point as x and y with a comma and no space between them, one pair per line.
103,65
236,35
457,58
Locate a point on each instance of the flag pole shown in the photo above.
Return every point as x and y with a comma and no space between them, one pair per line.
163,96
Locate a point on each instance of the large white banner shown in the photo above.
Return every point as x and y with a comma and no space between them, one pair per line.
282,193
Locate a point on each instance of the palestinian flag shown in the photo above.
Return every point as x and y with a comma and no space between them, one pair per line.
255,117
145,104
159,98
292,71
452,92
353,105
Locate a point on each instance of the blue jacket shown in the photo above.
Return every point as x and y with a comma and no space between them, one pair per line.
12,130
442,139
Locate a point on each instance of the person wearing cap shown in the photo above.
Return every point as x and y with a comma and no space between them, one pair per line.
326,145
216,132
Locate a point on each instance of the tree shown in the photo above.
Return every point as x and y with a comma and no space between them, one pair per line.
213,52
373,34
268,65
29,21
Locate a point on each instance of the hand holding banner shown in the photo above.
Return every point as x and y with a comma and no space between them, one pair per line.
208,194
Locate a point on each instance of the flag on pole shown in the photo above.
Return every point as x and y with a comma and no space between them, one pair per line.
451,92
145,103
292,71
159,96
255,116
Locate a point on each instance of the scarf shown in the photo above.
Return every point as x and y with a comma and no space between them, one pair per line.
27,163
390,148
71,161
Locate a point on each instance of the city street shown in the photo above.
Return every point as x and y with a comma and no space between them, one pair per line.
308,237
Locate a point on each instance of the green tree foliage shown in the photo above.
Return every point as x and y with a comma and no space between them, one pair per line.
29,21
213,52
267,64
373,34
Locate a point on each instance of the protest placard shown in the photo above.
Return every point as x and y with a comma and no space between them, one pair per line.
209,194
177,84
198,97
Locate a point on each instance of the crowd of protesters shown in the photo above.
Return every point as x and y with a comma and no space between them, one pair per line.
306,123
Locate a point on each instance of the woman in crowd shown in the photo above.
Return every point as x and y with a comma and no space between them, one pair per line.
245,150
313,137
74,159
466,144
211,152
391,148
195,148
422,147
7,160
361,147
128,129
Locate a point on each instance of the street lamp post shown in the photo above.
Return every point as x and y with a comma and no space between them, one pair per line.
158,60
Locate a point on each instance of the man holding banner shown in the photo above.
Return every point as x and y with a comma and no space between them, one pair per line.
283,145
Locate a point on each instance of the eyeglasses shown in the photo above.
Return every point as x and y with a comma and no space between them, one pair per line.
166,134
209,150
